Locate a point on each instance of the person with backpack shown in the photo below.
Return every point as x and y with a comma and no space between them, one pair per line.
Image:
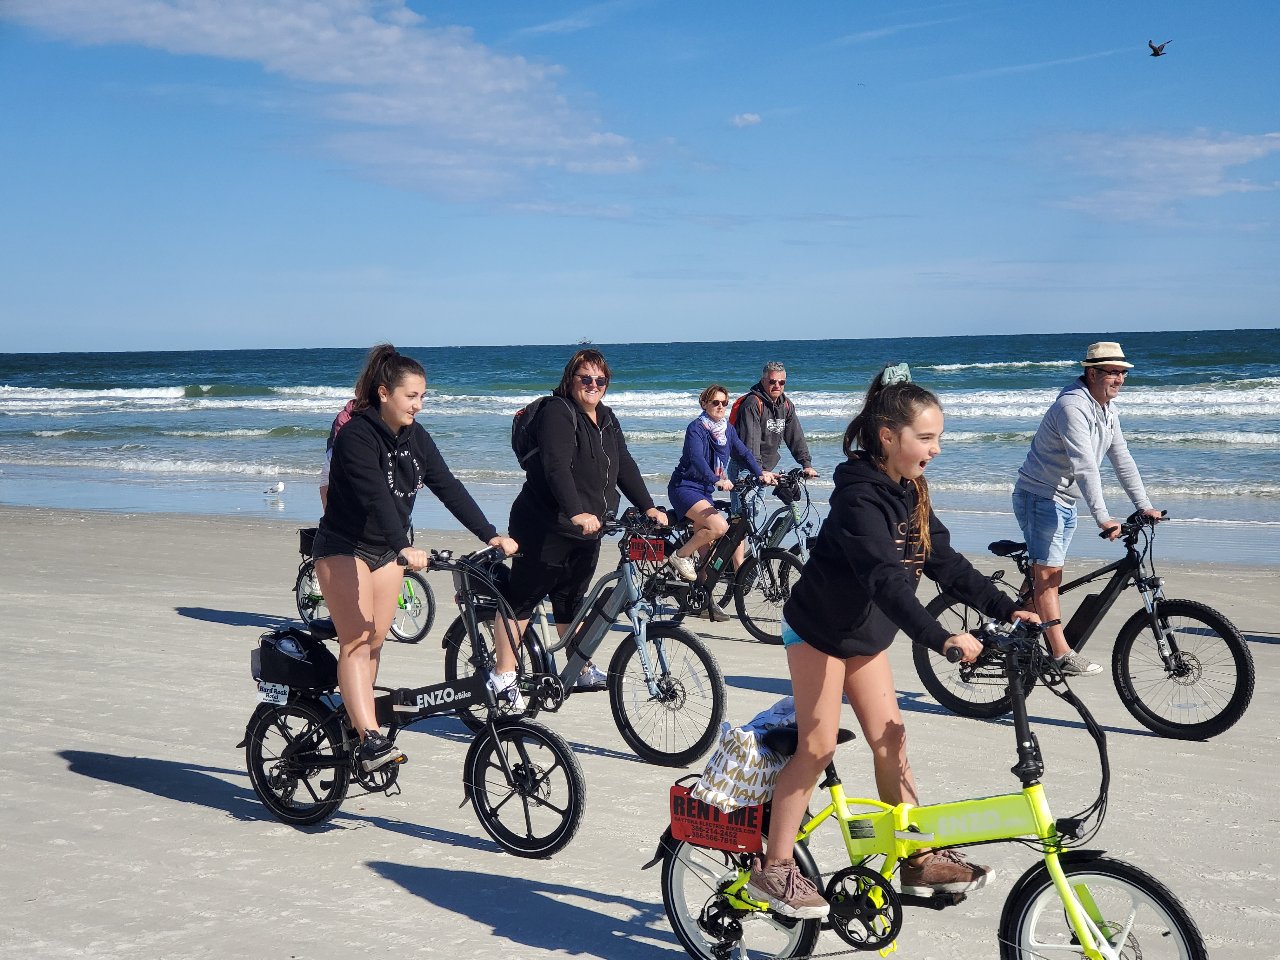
765,419
576,460
709,441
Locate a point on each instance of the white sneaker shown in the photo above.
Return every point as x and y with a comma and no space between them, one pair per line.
1077,665
591,678
504,688
684,566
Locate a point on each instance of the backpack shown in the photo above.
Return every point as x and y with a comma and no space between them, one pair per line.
524,430
733,411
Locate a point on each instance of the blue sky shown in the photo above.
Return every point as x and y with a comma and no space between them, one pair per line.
262,173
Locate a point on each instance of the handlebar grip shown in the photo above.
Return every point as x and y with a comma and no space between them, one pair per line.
401,561
955,655
489,555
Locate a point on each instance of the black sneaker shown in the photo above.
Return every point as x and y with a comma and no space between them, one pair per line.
376,751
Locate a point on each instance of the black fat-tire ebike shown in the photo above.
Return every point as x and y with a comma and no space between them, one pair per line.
415,607
666,690
1181,668
522,779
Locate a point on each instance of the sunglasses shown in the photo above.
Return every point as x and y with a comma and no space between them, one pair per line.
778,383
586,380
717,403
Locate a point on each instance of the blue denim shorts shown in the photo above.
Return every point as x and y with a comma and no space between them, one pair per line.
789,637
1047,527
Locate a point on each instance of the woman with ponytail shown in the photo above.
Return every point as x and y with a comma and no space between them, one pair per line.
857,590
381,459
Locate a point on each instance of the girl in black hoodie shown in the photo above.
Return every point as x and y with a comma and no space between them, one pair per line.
857,590
381,459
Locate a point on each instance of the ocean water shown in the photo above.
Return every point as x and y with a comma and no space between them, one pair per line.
208,432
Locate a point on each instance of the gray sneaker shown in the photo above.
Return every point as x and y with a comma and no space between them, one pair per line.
788,891
1077,665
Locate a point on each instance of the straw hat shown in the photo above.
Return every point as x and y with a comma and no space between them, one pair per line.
1108,352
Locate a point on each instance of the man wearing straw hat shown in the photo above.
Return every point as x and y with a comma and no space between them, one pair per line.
1062,466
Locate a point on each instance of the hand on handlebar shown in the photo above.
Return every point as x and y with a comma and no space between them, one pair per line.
962,646
1155,515
768,478
658,515
588,523
724,484
1110,530
506,544
413,558
809,472
1025,616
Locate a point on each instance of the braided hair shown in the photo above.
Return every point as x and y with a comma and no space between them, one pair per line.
383,367
894,405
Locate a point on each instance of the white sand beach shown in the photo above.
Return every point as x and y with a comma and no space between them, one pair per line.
130,829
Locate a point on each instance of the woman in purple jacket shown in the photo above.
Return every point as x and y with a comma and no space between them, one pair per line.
709,442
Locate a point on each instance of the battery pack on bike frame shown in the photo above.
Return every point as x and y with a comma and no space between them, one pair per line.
402,707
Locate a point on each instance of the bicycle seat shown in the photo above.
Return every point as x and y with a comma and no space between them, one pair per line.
782,740
323,629
721,505
1006,548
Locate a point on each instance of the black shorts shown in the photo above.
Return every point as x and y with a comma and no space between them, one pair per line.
554,566
330,544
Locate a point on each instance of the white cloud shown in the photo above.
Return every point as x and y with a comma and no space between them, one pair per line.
585,19
1147,177
745,119
413,104
869,36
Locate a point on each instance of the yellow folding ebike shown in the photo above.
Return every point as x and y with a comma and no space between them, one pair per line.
1074,903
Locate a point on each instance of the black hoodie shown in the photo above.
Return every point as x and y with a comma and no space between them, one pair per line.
375,478
859,586
579,467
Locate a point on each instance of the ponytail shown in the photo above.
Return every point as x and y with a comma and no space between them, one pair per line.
383,367
893,401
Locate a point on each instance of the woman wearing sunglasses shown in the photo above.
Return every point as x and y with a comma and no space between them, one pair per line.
710,442
570,484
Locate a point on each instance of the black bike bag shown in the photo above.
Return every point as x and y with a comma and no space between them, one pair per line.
291,656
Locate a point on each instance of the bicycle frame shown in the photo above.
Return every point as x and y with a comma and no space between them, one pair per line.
1090,613
871,828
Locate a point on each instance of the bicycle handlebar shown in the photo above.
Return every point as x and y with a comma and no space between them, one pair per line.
1135,522
1003,636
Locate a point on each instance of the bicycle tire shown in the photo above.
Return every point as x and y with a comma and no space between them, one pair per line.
1211,683
691,880
680,723
457,665
416,609
279,742
549,791
974,690
761,588
306,593
1034,924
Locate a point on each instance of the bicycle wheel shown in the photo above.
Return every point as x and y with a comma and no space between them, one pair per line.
457,665
709,927
1203,691
975,690
1135,912
538,809
671,714
416,610
762,586
306,590
297,761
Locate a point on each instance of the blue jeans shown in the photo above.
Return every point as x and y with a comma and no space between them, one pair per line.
1047,527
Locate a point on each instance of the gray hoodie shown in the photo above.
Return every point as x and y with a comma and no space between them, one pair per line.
1067,451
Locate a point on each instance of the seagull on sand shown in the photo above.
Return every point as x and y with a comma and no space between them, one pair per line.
1158,51
277,487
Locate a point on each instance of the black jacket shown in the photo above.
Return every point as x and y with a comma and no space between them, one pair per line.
578,469
859,586
375,477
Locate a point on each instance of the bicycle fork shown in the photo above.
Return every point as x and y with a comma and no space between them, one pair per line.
1166,644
